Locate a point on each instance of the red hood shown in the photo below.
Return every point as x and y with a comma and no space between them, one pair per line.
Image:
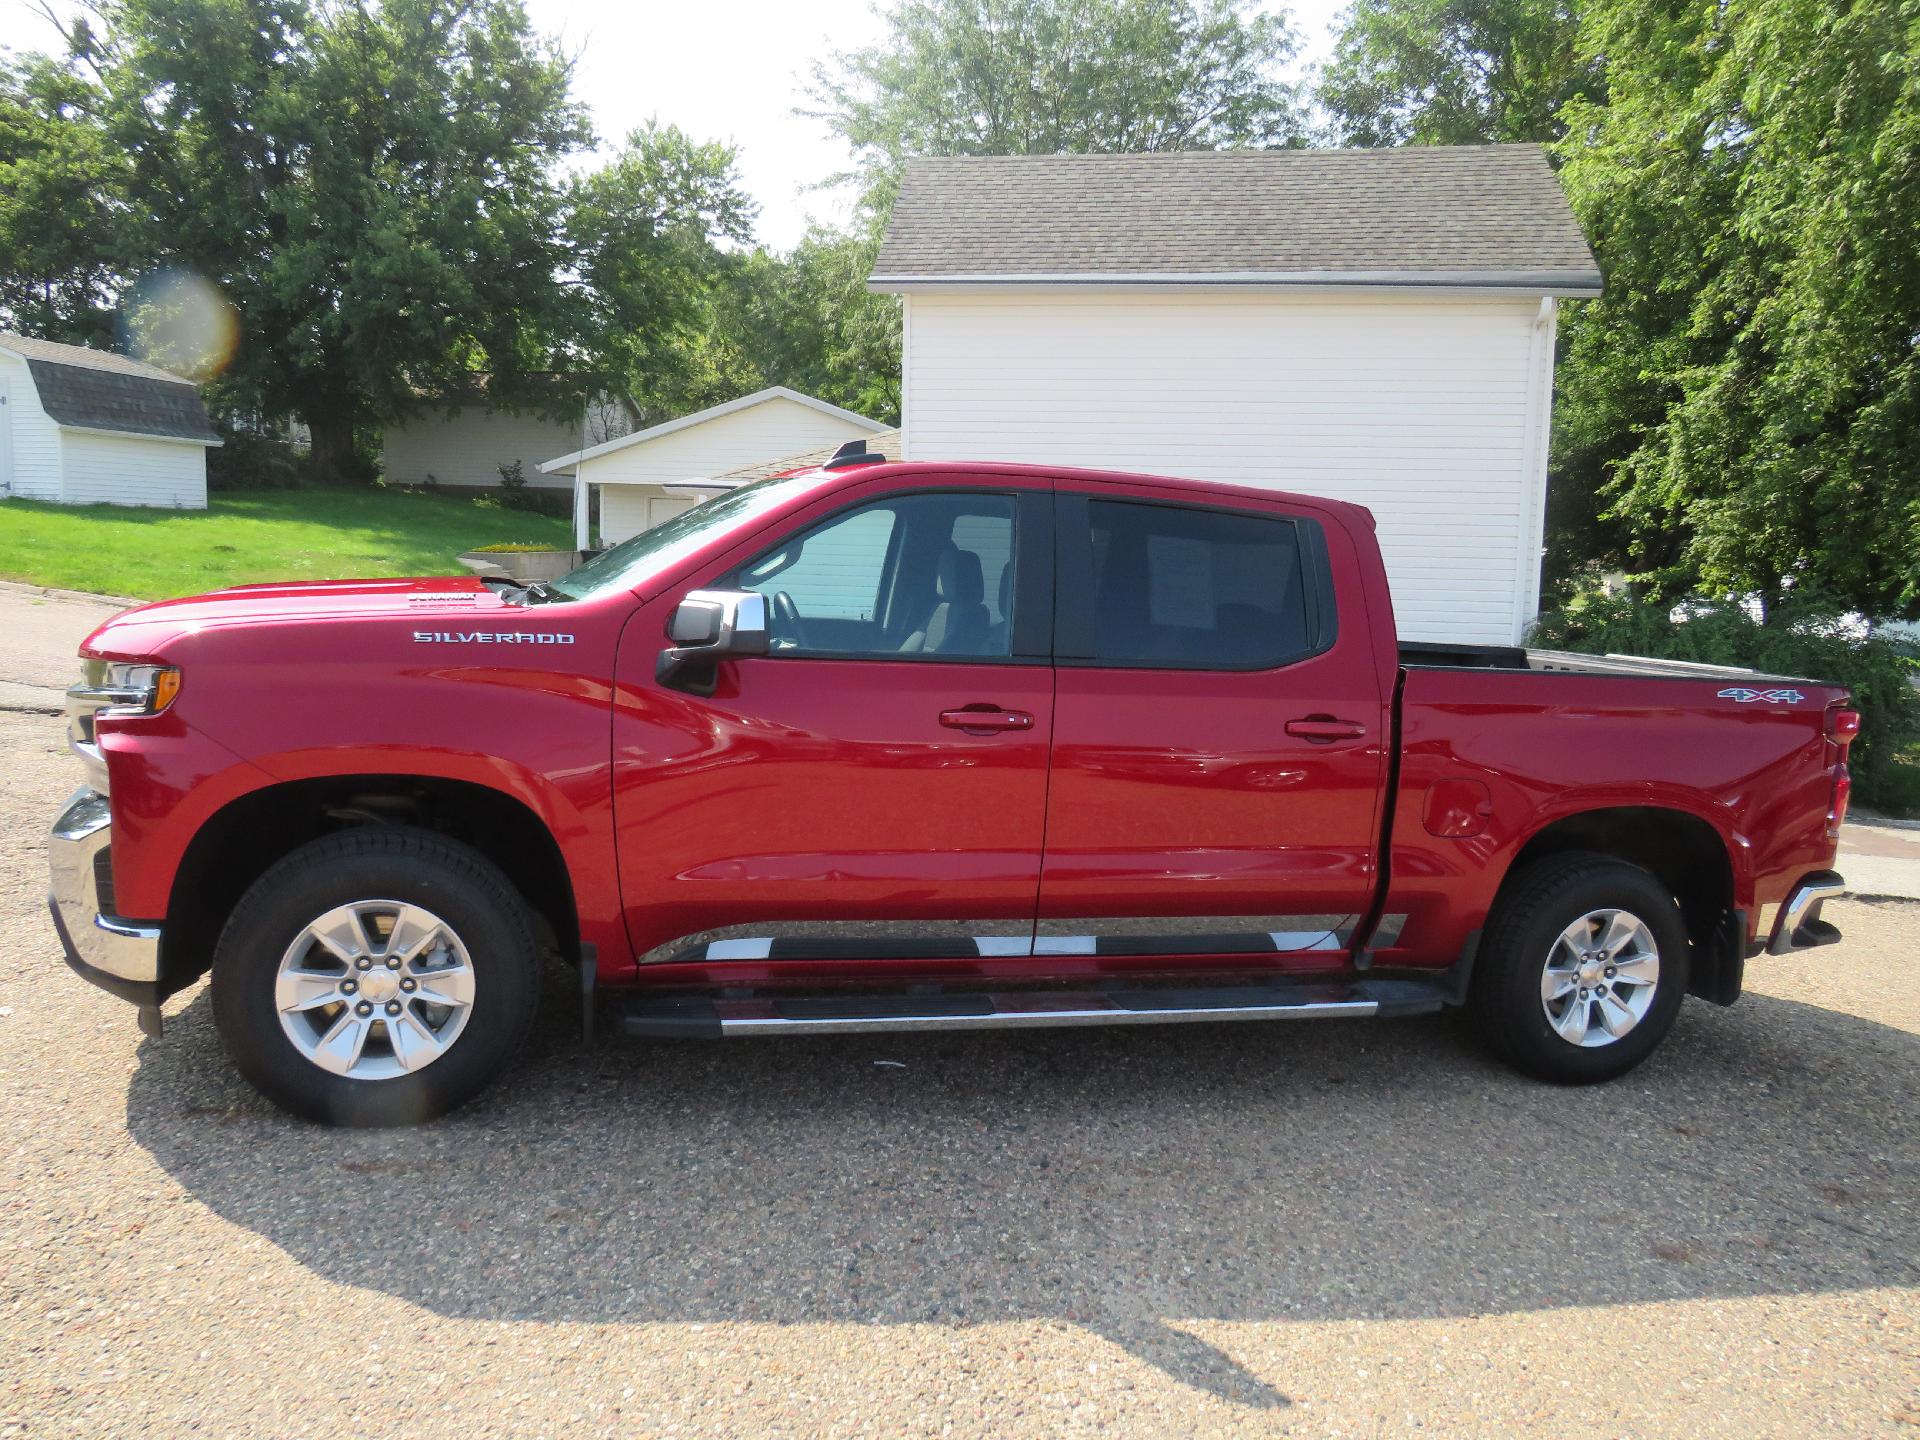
143,629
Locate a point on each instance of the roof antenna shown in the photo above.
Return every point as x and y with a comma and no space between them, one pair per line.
852,453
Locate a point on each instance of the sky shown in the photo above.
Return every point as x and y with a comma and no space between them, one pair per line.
719,69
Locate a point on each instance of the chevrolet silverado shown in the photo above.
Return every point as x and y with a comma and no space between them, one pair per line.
881,746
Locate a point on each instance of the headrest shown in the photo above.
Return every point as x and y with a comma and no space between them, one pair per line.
959,577
1006,589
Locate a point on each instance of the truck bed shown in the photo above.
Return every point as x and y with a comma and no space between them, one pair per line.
1428,655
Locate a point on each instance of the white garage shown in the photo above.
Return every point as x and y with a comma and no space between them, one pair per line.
1374,326
88,427
652,474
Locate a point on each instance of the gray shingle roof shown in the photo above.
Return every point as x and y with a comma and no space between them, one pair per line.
1429,215
98,390
884,442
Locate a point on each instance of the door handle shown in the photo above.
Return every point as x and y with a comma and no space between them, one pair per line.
985,719
1323,729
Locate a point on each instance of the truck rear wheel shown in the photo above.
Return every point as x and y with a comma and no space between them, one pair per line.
1582,969
376,977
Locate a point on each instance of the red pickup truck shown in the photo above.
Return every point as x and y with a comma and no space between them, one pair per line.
918,746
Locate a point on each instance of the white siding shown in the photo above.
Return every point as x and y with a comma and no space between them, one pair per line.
777,426
36,439
1425,409
469,448
628,509
133,470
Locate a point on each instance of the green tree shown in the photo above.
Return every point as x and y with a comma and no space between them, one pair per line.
806,319
1749,387
649,273
61,215
1035,77
372,188
1454,72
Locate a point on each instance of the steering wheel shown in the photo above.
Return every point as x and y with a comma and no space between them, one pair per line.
786,620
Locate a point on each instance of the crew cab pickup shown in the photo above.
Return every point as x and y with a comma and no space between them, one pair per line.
882,746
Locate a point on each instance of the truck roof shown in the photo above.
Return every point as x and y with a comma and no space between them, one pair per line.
937,471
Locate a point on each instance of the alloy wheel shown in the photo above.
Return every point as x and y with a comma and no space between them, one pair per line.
374,989
1600,977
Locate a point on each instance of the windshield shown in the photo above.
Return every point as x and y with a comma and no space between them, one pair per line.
635,560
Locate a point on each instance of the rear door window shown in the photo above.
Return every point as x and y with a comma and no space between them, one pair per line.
1191,588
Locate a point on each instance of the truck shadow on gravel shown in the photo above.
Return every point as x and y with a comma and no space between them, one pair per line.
1132,1182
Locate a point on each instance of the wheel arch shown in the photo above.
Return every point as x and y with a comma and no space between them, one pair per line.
245,837
1688,854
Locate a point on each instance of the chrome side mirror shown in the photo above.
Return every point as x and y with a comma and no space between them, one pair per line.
709,626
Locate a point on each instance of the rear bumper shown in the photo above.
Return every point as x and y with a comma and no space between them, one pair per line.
1799,926
121,956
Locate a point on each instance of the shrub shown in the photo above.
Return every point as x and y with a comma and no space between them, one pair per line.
1809,640
514,494
249,460
530,501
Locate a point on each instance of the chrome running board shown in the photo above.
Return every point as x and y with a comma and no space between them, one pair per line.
1024,1009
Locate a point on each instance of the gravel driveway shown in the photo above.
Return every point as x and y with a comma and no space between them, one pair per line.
1352,1228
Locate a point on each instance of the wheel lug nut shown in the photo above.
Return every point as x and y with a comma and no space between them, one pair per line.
347,987
393,1007
364,963
1583,992
1610,972
407,985
393,962
363,1008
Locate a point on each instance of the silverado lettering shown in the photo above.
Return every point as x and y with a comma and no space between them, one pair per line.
475,637
914,747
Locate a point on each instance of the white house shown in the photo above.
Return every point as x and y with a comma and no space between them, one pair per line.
1369,325
652,474
465,444
83,427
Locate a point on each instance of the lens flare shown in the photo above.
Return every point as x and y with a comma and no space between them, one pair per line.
181,322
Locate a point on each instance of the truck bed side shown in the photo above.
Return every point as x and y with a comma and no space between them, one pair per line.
1723,789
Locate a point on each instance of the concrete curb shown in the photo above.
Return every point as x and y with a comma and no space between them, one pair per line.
1881,822
16,587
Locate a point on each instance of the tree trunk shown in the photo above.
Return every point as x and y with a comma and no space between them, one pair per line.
330,460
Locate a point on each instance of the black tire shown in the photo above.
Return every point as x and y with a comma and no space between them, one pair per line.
477,902
1534,907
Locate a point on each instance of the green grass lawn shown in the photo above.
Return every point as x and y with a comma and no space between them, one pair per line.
254,535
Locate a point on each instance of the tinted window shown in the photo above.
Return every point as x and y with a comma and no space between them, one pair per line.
1195,588
922,576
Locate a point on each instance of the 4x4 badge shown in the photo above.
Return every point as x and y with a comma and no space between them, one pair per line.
1744,696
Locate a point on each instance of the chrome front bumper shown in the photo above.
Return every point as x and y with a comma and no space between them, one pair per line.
1799,925
117,955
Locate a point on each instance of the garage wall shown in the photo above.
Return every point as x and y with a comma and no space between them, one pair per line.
469,448
628,509
1431,411
133,470
774,427
35,439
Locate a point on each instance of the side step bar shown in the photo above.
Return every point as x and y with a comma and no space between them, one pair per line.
700,1017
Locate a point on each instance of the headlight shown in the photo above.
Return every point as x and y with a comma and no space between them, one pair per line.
114,687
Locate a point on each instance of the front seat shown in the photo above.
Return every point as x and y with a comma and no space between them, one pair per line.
959,622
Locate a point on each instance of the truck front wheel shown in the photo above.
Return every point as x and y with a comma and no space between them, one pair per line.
1582,969
376,977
